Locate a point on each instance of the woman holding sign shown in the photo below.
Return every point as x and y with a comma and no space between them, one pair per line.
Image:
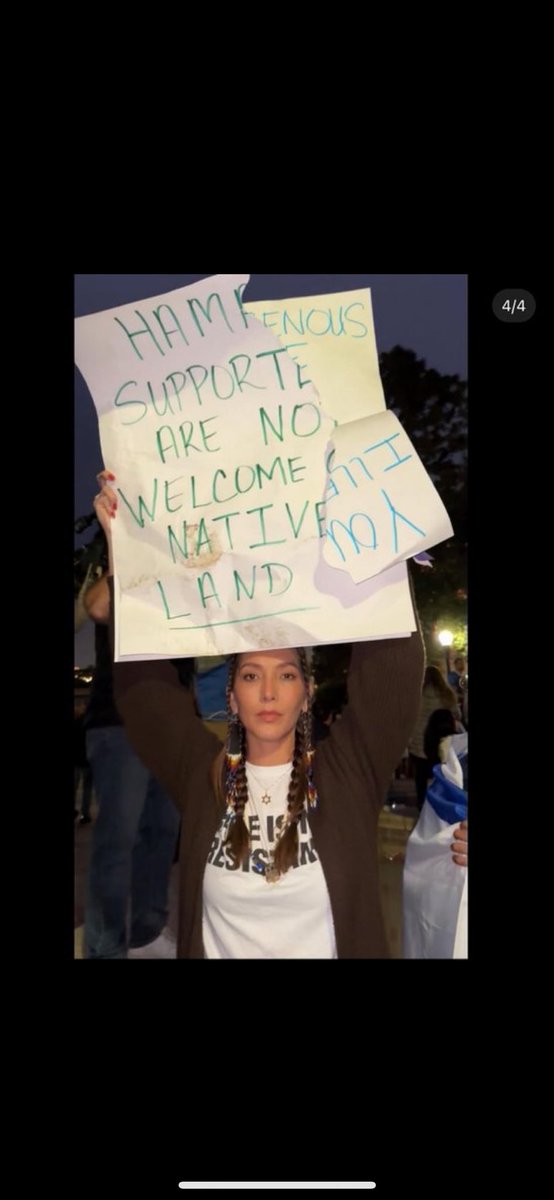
278,854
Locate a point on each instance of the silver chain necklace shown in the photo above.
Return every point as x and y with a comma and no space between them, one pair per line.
266,796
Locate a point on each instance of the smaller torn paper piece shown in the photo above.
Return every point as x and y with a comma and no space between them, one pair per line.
381,505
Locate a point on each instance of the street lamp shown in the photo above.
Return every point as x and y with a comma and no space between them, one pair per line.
446,638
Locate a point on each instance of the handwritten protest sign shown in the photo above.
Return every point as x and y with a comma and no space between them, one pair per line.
332,337
218,441
381,506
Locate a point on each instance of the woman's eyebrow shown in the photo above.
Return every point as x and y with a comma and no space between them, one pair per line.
285,663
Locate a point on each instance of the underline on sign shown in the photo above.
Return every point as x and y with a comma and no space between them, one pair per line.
240,620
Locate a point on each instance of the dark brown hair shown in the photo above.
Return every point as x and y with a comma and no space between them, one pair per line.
233,789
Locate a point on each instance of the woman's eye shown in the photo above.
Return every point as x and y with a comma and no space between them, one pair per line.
248,676
289,675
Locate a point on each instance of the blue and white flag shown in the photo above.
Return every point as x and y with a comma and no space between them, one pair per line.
434,886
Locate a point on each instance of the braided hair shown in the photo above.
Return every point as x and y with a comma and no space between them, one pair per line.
229,777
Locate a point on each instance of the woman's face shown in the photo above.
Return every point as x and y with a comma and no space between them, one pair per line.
269,694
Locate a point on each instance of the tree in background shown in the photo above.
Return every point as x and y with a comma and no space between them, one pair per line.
432,408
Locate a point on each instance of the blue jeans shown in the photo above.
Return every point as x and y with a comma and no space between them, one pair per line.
133,847
84,774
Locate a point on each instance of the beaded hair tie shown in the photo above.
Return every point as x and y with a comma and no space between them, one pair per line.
313,798
233,757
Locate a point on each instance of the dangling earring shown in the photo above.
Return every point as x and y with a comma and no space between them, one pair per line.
233,756
233,749
309,755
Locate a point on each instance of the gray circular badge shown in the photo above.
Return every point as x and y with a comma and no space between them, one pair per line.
514,305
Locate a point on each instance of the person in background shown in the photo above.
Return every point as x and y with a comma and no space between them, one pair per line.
455,676
135,833
327,706
436,694
82,771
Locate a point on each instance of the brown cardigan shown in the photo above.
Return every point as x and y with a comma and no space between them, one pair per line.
352,772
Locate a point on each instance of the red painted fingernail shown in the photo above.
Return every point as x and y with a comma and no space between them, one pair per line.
110,476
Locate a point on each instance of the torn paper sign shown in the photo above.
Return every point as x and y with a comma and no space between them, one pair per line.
218,443
381,505
332,338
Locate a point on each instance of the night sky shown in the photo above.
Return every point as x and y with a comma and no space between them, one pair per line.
424,313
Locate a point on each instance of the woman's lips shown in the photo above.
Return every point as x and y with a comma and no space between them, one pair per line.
269,716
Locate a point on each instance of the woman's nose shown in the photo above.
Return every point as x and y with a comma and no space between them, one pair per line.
268,689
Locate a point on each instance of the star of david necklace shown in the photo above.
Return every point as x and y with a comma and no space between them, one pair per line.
268,870
266,796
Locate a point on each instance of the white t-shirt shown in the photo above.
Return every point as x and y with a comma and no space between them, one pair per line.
244,916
